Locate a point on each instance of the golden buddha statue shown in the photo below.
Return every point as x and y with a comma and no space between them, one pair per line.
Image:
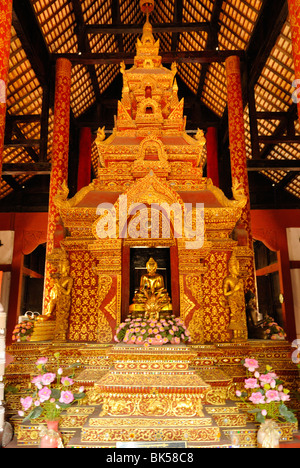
233,290
152,298
54,323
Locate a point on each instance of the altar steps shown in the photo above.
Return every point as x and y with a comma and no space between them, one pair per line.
209,374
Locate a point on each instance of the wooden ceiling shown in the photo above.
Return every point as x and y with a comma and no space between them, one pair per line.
96,35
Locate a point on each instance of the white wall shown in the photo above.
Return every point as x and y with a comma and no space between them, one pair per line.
293,238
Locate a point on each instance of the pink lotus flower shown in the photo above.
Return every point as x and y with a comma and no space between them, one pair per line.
66,397
41,361
44,394
48,378
26,402
272,395
66,381
257,398
251,364
268,378
37,380
284,396
251,383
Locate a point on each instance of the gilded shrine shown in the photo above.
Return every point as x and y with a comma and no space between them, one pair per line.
151,240
150,181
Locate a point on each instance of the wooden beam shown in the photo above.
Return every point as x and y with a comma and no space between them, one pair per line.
31,273
11,181
274,165
292,113
24,118
211,43
177,27
286,180
22,143
276,140
267,270
208,56
26,168
84,46
30,35
178,12
116,20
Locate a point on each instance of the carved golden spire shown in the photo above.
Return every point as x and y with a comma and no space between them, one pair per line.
147,48
148,38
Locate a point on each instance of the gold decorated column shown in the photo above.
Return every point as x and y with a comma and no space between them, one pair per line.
60,157
5,36
238,155
294,10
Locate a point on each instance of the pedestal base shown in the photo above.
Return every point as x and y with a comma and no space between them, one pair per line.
43,331
154,396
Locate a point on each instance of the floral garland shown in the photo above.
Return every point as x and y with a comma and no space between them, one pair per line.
23,331
266,392
150,332
274,331
53,393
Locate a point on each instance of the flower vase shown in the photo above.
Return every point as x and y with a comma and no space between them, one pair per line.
50,435
268,435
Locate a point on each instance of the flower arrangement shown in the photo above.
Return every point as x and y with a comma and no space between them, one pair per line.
273,330
266,392
23,331
52,393
149,332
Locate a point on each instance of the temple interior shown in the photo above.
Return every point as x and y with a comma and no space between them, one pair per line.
149,224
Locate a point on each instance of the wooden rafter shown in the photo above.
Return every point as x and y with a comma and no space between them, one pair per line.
207,56
212,42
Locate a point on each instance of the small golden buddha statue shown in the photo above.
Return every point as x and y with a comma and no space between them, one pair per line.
60,293
152,298
54,323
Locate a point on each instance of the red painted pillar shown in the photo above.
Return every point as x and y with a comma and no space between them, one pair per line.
5,36
60,156
212,155
238,155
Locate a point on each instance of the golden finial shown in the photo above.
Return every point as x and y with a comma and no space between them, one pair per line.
147,6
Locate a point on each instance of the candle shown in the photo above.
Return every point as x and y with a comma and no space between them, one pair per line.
2,319
2,343
1,417
2,366
1,391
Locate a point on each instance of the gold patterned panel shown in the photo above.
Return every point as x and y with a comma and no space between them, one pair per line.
84,316
215,315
